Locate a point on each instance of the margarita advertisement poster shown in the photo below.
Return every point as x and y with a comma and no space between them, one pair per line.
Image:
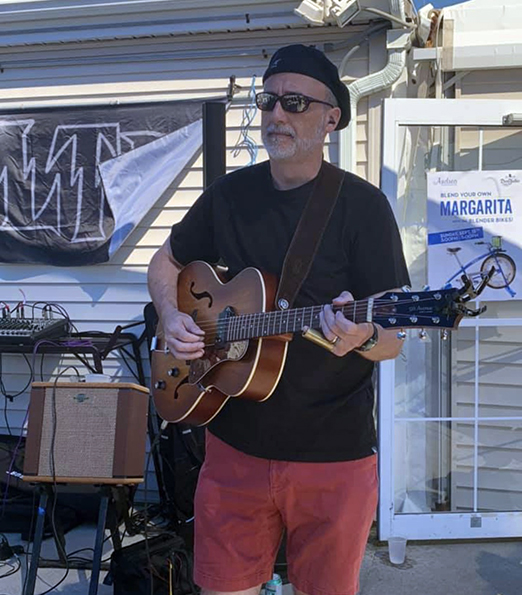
474,222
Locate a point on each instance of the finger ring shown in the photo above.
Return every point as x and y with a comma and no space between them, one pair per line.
334,341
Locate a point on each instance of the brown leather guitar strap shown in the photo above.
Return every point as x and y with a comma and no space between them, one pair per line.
307,236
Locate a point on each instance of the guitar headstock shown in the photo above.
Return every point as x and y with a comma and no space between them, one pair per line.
443,308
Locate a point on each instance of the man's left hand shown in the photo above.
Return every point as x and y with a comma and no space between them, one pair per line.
344,334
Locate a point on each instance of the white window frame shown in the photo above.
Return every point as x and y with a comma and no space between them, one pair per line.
431,112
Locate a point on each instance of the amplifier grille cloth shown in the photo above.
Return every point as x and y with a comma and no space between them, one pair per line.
85,432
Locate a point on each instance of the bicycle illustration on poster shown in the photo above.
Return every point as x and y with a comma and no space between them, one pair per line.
472,229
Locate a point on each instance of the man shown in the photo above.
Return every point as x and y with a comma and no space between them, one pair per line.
304,459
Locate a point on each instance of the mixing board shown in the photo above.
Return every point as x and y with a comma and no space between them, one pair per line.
26,331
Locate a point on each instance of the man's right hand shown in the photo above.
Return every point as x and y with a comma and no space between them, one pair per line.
183,336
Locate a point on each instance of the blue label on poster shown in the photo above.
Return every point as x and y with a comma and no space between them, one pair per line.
458,235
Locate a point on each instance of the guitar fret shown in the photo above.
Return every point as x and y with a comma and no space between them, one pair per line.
243,325
227,331
232,328
240,327
369,314
250,325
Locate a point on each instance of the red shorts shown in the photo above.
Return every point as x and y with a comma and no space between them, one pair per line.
243,503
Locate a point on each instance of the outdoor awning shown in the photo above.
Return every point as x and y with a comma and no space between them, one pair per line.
482,34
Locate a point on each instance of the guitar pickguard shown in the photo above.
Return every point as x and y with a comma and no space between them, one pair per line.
231,352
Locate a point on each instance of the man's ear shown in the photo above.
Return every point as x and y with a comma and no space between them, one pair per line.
333,119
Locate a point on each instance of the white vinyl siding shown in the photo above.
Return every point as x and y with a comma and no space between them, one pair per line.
491,84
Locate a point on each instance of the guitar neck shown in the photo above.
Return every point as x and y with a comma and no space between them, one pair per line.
269,324
441,309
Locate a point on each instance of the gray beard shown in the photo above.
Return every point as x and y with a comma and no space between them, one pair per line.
291,146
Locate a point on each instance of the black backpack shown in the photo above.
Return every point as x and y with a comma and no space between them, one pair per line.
159,565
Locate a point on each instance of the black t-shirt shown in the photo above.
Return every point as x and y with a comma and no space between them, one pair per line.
322,408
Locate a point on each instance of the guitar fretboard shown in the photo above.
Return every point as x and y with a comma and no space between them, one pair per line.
266,324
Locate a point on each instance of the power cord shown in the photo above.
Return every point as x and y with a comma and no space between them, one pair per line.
8,553
14,569
52,466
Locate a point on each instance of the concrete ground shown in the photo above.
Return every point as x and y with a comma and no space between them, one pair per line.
449,568
470,568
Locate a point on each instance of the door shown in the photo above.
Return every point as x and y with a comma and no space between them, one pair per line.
450,407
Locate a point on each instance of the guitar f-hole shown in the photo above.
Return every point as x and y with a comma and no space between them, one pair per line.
201,295
184,381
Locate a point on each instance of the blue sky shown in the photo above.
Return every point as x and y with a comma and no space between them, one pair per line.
437,3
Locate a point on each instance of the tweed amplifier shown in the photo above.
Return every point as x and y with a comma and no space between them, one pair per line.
81,432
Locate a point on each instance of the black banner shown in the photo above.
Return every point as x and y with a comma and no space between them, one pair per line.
74,182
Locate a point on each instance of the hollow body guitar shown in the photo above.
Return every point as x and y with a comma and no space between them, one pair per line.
246,341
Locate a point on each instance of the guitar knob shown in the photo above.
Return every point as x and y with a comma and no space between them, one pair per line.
160,385
173,372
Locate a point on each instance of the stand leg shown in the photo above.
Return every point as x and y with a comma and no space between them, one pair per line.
117,507
154,432
37,545
56,525
97,556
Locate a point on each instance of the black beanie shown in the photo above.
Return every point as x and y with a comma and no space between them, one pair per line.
307,60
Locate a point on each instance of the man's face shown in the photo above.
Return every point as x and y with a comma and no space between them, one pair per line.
287,135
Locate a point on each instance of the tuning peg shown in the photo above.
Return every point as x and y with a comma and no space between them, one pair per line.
444,335
406,288
423,335
401,335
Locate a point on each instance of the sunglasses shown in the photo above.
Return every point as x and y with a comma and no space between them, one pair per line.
294,103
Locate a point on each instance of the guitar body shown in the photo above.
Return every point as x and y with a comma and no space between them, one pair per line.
195,391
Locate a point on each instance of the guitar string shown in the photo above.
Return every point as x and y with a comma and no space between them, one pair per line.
398,325
316,309
378,310
239,332
242,322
